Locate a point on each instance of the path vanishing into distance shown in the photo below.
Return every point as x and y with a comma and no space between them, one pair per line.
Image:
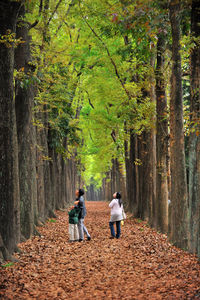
140,265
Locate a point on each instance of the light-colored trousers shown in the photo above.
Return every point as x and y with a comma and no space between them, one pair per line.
73,232
82,229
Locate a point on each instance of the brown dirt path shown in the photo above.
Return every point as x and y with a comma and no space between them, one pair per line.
140,265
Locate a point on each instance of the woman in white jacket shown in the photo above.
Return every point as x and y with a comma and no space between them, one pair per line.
116,215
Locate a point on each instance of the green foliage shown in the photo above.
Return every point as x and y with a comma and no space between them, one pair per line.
52,220
106,102
10,264
93,70
57,79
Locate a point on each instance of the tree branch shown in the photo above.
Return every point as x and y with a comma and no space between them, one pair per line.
90,100
113,136
110,57
70,6
57,5
40,10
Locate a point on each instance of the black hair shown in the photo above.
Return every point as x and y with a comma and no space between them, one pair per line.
118,196
81,192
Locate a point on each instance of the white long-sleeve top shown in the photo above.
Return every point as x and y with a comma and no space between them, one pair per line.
116,210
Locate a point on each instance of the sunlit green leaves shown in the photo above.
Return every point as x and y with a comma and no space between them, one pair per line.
113,74
93,68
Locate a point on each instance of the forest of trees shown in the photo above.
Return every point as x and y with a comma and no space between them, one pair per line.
104,95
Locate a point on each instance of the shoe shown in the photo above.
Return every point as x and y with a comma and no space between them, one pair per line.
111,237
89,238
80,240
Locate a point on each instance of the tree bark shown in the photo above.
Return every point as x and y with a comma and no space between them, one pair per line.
9,184
40,174
146,148
117,179
44,183
153,217
161,140
132,173
4,253
194,139
24,97
179,201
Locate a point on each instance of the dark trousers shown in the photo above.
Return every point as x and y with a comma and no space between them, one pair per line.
112,229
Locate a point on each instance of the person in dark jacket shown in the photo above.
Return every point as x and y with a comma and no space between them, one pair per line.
73,224
80,202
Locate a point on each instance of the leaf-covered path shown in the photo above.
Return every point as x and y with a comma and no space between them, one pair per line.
140,265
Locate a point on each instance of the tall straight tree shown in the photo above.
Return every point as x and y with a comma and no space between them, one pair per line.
26,131
179,201
153,219
44,186
161,139
132,174
146,148
9,184
194,152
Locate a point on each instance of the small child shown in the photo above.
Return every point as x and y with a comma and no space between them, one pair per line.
73,224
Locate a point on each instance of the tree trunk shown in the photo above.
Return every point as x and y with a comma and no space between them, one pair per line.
161,140
9,184
153,217
70,180
58,180
107,188
40,175
47,172
117,179
4,254
25,130
194,140
52,178
179,203
132,173
146,184
144,176
63,182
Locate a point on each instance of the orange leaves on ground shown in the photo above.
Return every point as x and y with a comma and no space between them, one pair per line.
140,265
